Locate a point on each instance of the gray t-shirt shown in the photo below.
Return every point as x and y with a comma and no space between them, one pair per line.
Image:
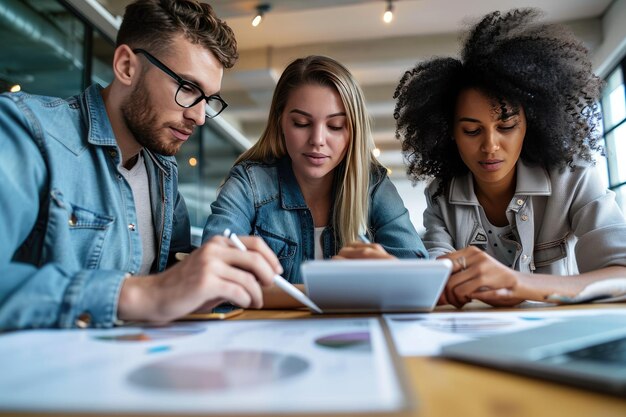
498,246
137,178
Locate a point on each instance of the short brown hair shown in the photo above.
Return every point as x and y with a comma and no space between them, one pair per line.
152,25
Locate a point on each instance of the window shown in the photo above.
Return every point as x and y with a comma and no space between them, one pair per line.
614,117
42,48
102,51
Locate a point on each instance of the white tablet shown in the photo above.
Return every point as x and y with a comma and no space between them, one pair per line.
351,286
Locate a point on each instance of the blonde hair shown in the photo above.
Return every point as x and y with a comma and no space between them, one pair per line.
351,203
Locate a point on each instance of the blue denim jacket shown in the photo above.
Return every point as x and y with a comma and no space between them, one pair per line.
265,200
67,226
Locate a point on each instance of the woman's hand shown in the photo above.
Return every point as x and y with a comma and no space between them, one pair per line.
358,250
478,276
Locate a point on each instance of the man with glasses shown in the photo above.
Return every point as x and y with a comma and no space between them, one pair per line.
188,94
91,213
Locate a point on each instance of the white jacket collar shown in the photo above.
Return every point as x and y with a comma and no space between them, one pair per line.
531,180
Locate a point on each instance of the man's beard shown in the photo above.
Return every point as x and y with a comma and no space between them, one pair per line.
141,119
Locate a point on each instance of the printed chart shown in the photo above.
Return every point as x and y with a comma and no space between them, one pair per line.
424,334
278,366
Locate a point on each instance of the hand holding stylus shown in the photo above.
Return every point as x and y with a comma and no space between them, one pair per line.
213,273
279,281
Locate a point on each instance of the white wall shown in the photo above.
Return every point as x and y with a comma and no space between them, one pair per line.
613,45
414,200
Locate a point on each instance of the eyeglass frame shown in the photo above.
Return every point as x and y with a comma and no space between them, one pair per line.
182,82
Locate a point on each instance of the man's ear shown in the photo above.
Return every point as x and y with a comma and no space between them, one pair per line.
125,65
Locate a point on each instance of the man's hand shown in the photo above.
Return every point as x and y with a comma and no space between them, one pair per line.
214,273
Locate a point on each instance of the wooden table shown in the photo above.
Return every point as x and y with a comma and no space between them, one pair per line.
444,388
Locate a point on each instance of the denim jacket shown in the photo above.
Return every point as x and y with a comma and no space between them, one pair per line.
563,222
68,234
265,200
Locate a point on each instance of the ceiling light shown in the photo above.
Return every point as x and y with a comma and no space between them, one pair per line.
261,9
388,16
15,88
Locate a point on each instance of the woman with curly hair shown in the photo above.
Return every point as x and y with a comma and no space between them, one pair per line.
508,133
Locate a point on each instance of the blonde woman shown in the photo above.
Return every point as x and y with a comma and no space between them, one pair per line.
310,184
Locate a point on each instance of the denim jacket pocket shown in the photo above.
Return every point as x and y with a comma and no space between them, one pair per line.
284,248
550,252
87,230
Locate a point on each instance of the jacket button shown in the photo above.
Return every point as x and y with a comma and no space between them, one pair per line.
73,220
524,258
524,217
131,227
83,321
113,153
520,202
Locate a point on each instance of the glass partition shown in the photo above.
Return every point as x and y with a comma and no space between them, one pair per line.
42,48
102,51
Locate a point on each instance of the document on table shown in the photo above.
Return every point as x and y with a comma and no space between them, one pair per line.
424,334
259,366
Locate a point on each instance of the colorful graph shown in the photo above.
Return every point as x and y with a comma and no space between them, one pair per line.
359,341
218,371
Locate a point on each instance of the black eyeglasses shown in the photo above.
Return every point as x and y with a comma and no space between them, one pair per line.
188,94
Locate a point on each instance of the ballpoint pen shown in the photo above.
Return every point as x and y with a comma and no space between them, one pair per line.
279,281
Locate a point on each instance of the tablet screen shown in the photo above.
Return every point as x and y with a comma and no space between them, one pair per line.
398,285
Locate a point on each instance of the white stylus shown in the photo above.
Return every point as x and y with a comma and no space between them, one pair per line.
280,282
363,238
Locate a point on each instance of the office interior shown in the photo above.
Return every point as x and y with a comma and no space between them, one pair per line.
59,47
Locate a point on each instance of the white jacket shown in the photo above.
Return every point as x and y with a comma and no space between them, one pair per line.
563,221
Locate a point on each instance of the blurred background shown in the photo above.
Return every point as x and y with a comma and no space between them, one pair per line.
59,47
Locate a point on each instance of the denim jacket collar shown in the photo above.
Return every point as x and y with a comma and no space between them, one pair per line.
531,180
291,197
100,131
159,161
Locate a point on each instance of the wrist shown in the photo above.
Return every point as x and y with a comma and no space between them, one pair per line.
531,287
131,305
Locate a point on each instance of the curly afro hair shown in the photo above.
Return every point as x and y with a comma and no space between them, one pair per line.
518,62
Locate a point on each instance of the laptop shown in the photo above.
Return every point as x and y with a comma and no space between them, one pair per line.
587,351
360,286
